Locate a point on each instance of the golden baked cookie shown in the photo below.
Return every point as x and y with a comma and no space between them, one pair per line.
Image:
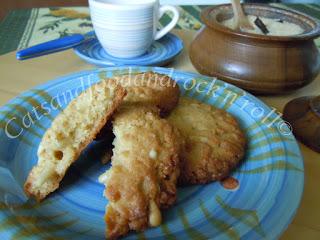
70,132
150,88
144,172
214,145
147,89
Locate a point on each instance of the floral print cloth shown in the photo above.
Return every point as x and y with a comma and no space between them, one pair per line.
24,28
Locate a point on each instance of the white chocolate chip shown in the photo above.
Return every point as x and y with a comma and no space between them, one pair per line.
154,215
153,154
104,177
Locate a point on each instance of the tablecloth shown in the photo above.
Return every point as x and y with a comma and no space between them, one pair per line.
27,27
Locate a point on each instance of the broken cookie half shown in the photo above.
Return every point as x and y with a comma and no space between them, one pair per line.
71,131
144,172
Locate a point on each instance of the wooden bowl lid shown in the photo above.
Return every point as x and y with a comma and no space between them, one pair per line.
304,116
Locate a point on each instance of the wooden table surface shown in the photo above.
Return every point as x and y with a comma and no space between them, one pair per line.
17,77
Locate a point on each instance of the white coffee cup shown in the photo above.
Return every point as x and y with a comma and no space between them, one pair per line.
127,28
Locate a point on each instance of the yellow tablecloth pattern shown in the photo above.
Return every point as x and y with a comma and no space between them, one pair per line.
17,77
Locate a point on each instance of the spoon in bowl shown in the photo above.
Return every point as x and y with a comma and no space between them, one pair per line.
242,23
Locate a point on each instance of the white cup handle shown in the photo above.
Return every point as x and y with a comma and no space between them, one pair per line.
171,25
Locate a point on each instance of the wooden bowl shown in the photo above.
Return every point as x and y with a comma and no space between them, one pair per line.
258,63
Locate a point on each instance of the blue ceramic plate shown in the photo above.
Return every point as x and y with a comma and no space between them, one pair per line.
261,204
160,53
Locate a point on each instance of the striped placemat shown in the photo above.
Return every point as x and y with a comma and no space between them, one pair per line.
27,27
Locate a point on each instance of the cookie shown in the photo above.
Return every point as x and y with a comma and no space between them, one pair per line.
150,88
70,132
214,145
144,172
